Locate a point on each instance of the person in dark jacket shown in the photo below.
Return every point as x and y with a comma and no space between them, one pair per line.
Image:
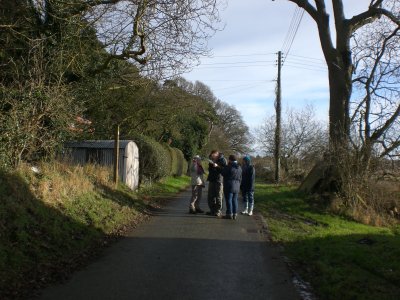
232,174
215,188
247,186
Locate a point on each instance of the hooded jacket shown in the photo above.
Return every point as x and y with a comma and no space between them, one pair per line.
248,178
232,174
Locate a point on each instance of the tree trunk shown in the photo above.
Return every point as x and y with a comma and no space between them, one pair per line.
340,93
366,155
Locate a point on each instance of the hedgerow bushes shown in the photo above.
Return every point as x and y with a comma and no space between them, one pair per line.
183,164
154,161
179,164
157,161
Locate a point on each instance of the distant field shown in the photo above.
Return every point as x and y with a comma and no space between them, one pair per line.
342,259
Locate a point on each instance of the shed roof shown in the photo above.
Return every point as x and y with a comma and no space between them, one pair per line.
98,144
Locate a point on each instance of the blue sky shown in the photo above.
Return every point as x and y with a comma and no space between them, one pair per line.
242,70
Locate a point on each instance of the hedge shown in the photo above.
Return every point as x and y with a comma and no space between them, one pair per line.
157,161
179,165
183,164
154,159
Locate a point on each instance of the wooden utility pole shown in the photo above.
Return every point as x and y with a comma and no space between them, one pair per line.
116,154
278,128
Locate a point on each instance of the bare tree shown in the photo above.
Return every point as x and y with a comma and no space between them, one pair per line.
234,128
303,139
376,105
338,55
162,37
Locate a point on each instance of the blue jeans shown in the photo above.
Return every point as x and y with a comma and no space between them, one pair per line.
248,199
231,200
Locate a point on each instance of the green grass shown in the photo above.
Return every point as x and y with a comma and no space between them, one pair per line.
166,187
49,223
328,250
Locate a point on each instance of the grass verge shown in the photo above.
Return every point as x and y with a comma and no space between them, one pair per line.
54,221
342,259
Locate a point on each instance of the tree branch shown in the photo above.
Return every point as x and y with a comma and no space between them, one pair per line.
379,132
94,3
389,149
373,13
311,10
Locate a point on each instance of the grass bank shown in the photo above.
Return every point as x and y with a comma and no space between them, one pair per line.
54,221
342,259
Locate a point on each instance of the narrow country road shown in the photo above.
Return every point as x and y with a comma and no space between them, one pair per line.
180,256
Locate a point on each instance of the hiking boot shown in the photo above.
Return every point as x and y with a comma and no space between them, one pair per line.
199,211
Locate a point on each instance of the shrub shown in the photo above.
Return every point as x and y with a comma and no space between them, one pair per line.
173,160
34,121
182,163
179,164
154,159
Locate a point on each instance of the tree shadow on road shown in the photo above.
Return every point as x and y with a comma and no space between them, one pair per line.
166,267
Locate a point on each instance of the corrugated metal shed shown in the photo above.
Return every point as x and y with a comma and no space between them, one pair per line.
102,153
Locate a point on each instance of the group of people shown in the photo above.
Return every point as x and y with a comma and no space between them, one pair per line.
226,179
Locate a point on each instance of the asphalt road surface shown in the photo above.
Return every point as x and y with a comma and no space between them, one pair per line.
180,256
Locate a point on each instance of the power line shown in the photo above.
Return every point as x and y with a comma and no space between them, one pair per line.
306,68
240,90
292,32
262,63
225,67
311,62
294,35
307,65
237,62
243,55
289,34
236,86
319,62
234,80
308,57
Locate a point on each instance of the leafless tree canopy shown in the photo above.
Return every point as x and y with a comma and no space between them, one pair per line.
304,139
376,103
337,51
233,126
163,37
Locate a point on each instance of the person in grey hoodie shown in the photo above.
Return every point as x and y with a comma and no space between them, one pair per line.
232,174
197,175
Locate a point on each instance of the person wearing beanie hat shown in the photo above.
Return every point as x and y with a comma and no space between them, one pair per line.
197,174
247,186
